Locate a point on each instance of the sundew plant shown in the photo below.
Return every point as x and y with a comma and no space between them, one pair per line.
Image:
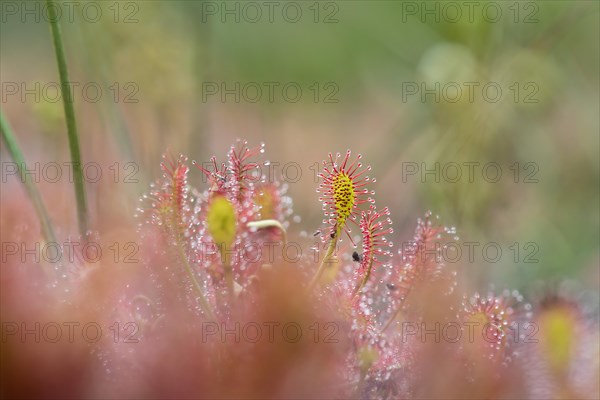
243,299
299,200
378,303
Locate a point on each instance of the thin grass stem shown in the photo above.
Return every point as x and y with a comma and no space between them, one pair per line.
67,96
34,195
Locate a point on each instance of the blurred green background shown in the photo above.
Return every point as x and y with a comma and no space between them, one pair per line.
357,63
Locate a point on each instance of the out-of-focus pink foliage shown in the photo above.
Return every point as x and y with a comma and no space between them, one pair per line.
382,322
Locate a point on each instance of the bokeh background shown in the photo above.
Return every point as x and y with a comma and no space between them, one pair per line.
155,61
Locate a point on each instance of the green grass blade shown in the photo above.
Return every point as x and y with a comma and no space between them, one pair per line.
67,96
30,188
